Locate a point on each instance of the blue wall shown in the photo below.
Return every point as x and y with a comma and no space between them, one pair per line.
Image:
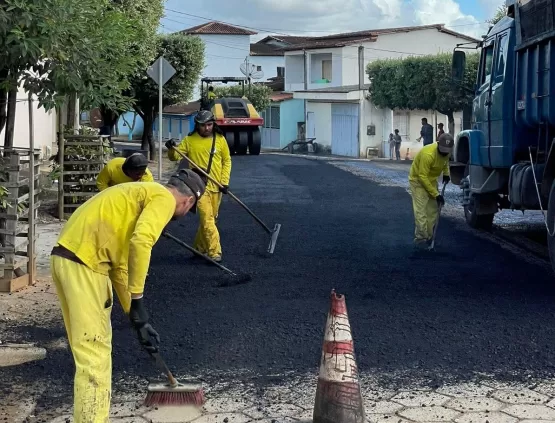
178,126
291,112
124,129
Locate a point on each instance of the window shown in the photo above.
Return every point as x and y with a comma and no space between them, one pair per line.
486,64
281,72
326,69
502,50
271,117
259,68
401,122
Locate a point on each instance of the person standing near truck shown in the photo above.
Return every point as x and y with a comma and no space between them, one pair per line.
428,164
398,140
426,132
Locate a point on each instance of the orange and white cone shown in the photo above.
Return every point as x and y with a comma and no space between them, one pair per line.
338,396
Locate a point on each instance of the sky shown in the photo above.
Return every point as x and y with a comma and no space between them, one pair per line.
322,17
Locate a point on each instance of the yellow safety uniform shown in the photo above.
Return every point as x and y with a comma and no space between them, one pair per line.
197,148
211,95
424,173
112,235
112,174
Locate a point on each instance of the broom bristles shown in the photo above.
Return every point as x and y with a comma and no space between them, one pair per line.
174,398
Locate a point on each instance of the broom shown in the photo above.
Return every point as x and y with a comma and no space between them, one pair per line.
173,392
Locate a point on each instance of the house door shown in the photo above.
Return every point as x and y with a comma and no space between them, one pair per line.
344,129
270,131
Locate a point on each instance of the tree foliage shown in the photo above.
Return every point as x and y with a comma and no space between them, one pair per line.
186,55
258,94
422,83
500,13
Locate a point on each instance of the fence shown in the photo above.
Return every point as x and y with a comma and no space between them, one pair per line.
19,191
81,158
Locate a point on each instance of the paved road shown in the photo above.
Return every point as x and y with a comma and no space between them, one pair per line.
471,308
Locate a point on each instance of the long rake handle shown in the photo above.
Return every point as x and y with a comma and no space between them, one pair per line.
437,220
198,253
249,211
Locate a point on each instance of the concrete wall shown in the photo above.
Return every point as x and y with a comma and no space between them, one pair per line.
269,65
322,121
224,54
44,126
349,64
124,129
294,72
291,112
372,116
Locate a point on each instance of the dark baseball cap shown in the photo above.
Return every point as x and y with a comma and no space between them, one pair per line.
193,181
445,143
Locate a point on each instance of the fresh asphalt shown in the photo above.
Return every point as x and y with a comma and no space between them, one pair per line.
471,308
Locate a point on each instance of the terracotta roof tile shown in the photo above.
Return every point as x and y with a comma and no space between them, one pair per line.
217,28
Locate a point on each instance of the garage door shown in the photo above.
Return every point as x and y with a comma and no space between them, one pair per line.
344,130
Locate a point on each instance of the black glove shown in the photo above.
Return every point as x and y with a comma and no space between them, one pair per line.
170,144
148,337
224,189
446,179
440,201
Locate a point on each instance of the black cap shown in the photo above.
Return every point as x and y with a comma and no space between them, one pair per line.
204,116
193,181
136,161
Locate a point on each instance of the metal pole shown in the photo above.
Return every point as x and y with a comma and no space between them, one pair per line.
160,93
31,213
61,164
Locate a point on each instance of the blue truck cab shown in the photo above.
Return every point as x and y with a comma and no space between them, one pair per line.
506,160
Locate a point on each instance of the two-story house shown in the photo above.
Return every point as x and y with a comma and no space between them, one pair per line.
329,74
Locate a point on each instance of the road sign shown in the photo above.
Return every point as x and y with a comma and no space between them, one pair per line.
167,71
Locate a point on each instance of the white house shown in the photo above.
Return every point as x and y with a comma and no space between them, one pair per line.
45,124
329,74
226,48
268,55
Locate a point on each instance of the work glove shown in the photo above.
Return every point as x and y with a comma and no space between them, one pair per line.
171,144
440,201
446,179
148,337
224,189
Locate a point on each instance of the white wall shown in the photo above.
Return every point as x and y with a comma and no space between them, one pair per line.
223,55
350,66
377,117
44,124
269,65
322,121
294,72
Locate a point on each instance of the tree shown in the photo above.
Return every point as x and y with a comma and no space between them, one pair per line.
60,48
422,83
258,94
186,55
500,13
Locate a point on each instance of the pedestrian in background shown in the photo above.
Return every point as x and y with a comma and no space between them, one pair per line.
426,132
398,140
428,164
441,131
391,146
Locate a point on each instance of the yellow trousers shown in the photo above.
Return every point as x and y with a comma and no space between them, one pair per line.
86,300
207,240
425,213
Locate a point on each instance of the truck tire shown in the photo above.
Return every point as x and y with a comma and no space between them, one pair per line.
255,142
241,143
550,225
477,221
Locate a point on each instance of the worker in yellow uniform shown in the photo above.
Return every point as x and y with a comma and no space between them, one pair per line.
120,170
429,163
105,244
211,94
207,147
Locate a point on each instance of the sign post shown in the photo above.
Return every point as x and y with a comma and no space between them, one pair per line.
160,71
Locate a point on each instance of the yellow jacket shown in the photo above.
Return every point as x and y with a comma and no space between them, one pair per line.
113,232
426,168
197,148
112,174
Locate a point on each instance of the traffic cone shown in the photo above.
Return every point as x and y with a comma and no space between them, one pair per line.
338,396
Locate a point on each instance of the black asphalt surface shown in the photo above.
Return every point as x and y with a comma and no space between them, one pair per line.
472,307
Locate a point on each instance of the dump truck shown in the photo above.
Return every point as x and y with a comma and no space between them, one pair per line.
235,115
506,160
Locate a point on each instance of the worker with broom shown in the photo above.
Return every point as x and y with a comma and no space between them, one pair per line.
120,170
207,147
429,163
107,243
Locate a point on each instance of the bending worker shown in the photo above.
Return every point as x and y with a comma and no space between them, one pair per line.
96,252
207,147
428,164
120,170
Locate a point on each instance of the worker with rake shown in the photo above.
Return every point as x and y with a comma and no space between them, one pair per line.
120,170
429,163
207,147
105,244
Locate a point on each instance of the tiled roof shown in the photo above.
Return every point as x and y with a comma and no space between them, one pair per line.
277,97
347,38
259,49
217,28
264,48
183,109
